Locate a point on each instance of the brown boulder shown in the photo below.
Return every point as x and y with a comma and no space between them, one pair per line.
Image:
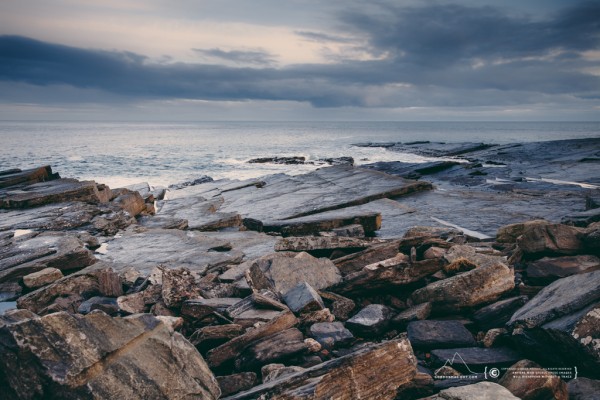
537,384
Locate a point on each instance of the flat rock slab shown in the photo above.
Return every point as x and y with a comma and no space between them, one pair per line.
24,255
560,298
18,177
497,314
145,249
478,286
55,191
473,360
97,356
428,335
311,243
201,214
549,269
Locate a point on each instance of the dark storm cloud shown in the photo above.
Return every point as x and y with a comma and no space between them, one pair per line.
443,55
253,57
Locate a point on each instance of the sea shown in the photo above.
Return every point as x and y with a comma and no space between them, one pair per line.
121,154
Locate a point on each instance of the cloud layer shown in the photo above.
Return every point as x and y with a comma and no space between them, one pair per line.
444,55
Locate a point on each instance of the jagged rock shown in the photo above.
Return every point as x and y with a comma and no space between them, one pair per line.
375,371
106,304
54,191
265,300
497,314
314,317
250,317
271,372
283,273
573,339
162,222
145,249
510,233
178,285
340,306
550,239
209,337
434,252
416,235
415,313
539,384
473,360
46,250
427,335
331,334
274,348
370,321
312,243
582,218
303,298
583,389
228,351
69,292
479,286
200,308
231,384
376,253
494,336
547,269
95,356
477,391
132,303
111,223
395,271
559,299
278,160
470,254
421,385
42,278
312,346
130,201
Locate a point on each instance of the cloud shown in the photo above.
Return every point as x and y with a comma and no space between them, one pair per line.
251,57
428,56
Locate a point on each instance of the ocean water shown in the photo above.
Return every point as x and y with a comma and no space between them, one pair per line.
119,154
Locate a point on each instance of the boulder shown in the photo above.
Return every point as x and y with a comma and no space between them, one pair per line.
18,177
537,384
510,233
69,292
558,299
96,357
476,391
494,336
331,334
42,277
550,239
178,285
283,273
130,201
271,372
209,337
478,286
231,384
303,298
415,313
275,348
373,372
370,321
549,269
428,335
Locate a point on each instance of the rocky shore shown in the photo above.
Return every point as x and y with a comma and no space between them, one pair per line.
474,277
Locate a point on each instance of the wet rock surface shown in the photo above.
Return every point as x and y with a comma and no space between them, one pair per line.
335,283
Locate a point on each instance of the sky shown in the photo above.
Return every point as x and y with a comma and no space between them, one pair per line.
193,60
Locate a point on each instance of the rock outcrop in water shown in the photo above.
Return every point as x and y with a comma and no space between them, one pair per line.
290,288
